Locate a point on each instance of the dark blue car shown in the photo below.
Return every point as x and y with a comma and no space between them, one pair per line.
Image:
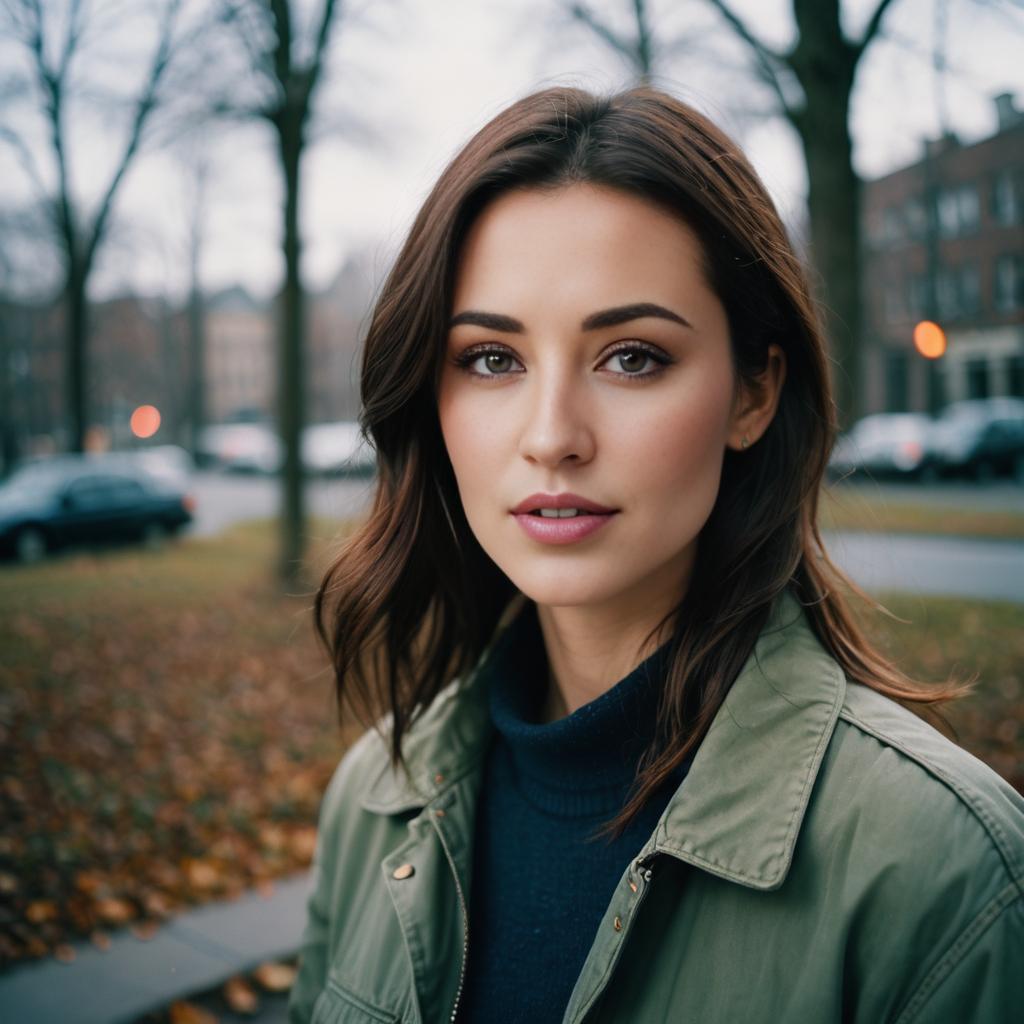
82,501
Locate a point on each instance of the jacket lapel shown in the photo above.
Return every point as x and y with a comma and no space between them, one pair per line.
740,808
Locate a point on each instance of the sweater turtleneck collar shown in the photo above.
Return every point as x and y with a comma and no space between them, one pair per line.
584,763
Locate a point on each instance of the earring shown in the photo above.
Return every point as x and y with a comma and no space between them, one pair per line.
745,443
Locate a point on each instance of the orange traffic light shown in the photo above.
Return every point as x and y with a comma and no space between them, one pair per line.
145,421
930,339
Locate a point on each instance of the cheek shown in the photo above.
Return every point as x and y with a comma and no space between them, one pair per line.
684,440
470,437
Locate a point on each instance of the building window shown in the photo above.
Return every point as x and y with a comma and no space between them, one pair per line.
969,208
895,310
1015,376
959,211
1009,283
1006,198
916,217
970,288
918,298
977,378
892,225
947,293
896,381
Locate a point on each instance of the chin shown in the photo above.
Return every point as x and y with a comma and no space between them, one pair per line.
564,588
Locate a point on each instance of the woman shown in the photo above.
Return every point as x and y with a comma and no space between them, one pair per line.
638,763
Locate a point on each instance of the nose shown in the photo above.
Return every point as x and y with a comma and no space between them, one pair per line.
556,423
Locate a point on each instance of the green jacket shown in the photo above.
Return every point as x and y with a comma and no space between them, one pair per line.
829,857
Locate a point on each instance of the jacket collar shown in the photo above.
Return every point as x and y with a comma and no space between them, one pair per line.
739,810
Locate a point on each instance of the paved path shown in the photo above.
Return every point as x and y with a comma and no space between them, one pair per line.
952,566
192,953
929,565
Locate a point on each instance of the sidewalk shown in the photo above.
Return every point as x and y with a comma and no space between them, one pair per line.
191,953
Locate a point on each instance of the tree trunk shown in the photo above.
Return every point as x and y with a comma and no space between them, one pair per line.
825,63
76,331
291,377
833,201
197,371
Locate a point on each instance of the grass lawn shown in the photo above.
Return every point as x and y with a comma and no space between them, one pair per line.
857,508
167,727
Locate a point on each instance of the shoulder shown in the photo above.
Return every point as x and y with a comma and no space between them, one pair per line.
921,848
366,779
913,772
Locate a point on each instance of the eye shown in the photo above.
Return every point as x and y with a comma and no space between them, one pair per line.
633,357
492,360
496,361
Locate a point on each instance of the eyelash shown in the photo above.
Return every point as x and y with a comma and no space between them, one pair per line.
465,360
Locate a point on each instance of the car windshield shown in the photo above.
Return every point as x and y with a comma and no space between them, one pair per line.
34,481
889,428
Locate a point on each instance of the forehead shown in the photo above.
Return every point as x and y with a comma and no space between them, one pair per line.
577,238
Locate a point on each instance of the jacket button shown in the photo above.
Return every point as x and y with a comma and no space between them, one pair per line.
403,871
617,923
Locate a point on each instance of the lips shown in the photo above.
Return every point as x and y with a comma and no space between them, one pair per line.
535,502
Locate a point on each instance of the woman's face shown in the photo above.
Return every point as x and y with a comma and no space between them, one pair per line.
588,354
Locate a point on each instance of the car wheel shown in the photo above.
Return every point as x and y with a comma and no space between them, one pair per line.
30,545
984,472
154,535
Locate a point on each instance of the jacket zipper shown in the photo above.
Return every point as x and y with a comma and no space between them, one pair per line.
644,872
465,921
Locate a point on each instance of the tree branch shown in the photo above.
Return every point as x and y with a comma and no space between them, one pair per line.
766,58
874,24
26,159
281,13
582,13
147,101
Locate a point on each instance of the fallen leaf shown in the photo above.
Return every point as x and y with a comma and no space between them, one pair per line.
116,911
101,940
241,996
64,953
202,875
145,930
275,977
39,911
189,1013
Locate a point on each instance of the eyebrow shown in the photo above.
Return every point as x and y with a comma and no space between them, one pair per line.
603,318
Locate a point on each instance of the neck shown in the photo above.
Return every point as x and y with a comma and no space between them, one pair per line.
590,649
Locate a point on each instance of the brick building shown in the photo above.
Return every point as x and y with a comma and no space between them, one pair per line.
944,241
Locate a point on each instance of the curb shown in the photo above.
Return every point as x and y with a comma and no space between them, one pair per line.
192,952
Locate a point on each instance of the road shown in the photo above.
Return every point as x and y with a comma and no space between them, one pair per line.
920,564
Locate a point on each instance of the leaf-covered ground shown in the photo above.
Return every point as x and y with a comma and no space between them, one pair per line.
167,727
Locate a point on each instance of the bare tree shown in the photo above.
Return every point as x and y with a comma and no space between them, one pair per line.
822,63
638,51
287,68
55,43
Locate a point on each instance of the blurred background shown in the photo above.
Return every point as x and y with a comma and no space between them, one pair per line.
200,201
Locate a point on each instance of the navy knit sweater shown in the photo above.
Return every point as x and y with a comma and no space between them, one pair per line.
539,889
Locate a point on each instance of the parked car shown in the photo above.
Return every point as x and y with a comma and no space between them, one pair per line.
327,449
886,444
337,449
71,501
240,448
982,438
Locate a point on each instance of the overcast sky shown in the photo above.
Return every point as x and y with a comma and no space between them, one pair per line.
425,74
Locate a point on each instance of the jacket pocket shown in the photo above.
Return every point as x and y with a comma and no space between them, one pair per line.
337,1005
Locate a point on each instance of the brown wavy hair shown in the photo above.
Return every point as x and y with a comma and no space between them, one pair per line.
412,600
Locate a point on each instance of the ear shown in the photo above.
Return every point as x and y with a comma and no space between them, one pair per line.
756,402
